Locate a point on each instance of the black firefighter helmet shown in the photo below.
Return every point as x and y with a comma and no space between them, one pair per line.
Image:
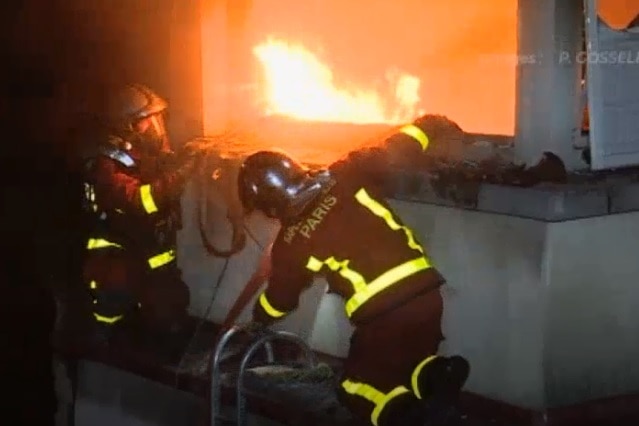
135,113
277,185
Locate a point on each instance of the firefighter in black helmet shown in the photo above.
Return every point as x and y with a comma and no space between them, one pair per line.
132,187
335,222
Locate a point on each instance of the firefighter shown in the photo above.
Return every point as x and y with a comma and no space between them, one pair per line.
336,223
132,190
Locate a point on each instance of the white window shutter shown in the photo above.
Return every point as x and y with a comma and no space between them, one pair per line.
613,93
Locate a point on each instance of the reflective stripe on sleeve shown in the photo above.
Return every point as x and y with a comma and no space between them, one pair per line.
417,134
96,243
107,320
161,259
147,199
268,308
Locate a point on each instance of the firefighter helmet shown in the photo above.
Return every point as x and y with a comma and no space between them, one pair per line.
136,103
277,185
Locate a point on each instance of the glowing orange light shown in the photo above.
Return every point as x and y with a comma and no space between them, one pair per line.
299,85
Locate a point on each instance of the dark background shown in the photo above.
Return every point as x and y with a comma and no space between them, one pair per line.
59,58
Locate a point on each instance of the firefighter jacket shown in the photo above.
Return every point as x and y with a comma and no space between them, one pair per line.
132,200
353,238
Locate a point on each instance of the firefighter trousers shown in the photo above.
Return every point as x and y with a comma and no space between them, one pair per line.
121,284
387,353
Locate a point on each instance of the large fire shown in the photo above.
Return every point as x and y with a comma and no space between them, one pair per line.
322,78
299,85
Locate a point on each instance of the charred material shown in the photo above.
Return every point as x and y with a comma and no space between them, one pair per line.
447,169
460,182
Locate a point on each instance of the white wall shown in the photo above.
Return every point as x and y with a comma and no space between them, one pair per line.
524,302
492,316
494,297
592,319
548,80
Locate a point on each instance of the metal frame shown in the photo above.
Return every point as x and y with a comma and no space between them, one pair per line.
263,340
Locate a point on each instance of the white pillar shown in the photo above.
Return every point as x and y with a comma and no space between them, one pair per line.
215,66
548,78
185,71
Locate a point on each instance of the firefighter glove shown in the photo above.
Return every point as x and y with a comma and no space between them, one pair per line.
186,169
193,149
168,160
175,180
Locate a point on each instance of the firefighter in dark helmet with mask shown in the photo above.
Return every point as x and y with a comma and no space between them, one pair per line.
336,223
133,186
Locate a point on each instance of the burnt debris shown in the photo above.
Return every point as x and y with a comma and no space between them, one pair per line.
453,170
459,182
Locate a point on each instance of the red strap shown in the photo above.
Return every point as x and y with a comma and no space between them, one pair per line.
260,275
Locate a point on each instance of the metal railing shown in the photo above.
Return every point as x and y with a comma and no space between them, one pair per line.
264,339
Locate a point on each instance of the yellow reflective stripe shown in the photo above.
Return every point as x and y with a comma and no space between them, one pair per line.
379,210
363,291
161,259
384,281
147,199
108,320
93,285
314,264
368,392
96,243
415,376
417,134
357,280
268,308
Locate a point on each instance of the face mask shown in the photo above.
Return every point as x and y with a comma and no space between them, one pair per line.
154,138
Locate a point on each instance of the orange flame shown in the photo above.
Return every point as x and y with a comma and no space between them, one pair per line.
299,85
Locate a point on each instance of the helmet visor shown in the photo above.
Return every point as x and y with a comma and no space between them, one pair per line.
152,129
157,127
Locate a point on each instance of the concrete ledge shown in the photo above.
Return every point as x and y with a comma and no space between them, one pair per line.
624,198
548,203
544,202
588,194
